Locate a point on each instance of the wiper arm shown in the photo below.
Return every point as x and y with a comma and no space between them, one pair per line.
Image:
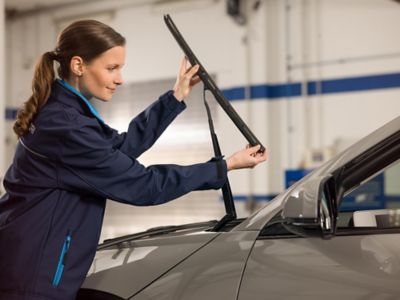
153,232
226,188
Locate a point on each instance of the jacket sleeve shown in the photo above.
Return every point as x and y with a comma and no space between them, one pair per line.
146,128
90,164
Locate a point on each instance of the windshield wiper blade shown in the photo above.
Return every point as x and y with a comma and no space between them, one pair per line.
211,85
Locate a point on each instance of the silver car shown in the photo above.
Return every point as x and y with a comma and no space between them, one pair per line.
307,243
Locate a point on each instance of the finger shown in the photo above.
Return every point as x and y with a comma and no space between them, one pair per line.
261,158
192,71
254,149
195,80
263,153
260,154
182,69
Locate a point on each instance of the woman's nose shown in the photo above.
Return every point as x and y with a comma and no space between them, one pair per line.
118,79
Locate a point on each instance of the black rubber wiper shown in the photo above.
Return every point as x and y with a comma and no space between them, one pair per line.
153,232
211,85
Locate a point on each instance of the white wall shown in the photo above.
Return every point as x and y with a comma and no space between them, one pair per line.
284,41
335,40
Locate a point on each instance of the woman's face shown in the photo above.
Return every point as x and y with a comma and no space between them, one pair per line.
101,76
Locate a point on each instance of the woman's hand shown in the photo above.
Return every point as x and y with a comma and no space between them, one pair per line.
186,80
246,158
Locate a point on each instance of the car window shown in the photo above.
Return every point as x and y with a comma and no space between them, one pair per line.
374,204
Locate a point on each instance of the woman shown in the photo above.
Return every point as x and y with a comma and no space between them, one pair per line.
68,162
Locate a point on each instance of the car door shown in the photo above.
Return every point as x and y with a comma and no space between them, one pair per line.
358,263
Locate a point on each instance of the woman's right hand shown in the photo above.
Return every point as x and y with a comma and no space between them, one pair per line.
246,158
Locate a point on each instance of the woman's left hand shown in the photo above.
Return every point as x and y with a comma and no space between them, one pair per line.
185,81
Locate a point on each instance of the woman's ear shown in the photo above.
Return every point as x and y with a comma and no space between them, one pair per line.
76,65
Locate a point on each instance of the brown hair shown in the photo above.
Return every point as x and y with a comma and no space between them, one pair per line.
87,39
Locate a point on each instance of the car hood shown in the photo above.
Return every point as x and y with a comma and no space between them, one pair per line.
127,268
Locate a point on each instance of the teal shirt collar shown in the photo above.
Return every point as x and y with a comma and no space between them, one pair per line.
83,98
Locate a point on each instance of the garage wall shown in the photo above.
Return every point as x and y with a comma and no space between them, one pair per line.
341,43
289,71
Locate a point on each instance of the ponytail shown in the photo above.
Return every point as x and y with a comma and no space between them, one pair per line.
41,87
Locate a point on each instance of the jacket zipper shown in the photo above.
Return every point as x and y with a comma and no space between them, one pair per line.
61,261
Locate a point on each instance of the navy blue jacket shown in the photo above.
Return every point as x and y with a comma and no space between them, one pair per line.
63,171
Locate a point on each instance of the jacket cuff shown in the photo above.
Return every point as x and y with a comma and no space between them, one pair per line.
222,168
172,103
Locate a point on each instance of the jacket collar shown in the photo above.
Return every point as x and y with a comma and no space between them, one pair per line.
70,96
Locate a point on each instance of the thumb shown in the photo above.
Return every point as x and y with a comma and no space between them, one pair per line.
254,149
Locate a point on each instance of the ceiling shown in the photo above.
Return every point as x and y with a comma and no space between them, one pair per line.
35,5
22,7
27,5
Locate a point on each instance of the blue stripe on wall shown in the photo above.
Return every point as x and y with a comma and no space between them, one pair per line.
276,91
355,84
234,93
329,86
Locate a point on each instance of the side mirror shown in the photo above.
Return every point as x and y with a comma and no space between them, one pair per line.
309,209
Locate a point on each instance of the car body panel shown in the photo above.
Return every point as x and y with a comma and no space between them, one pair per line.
213,272
346,267
126,270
